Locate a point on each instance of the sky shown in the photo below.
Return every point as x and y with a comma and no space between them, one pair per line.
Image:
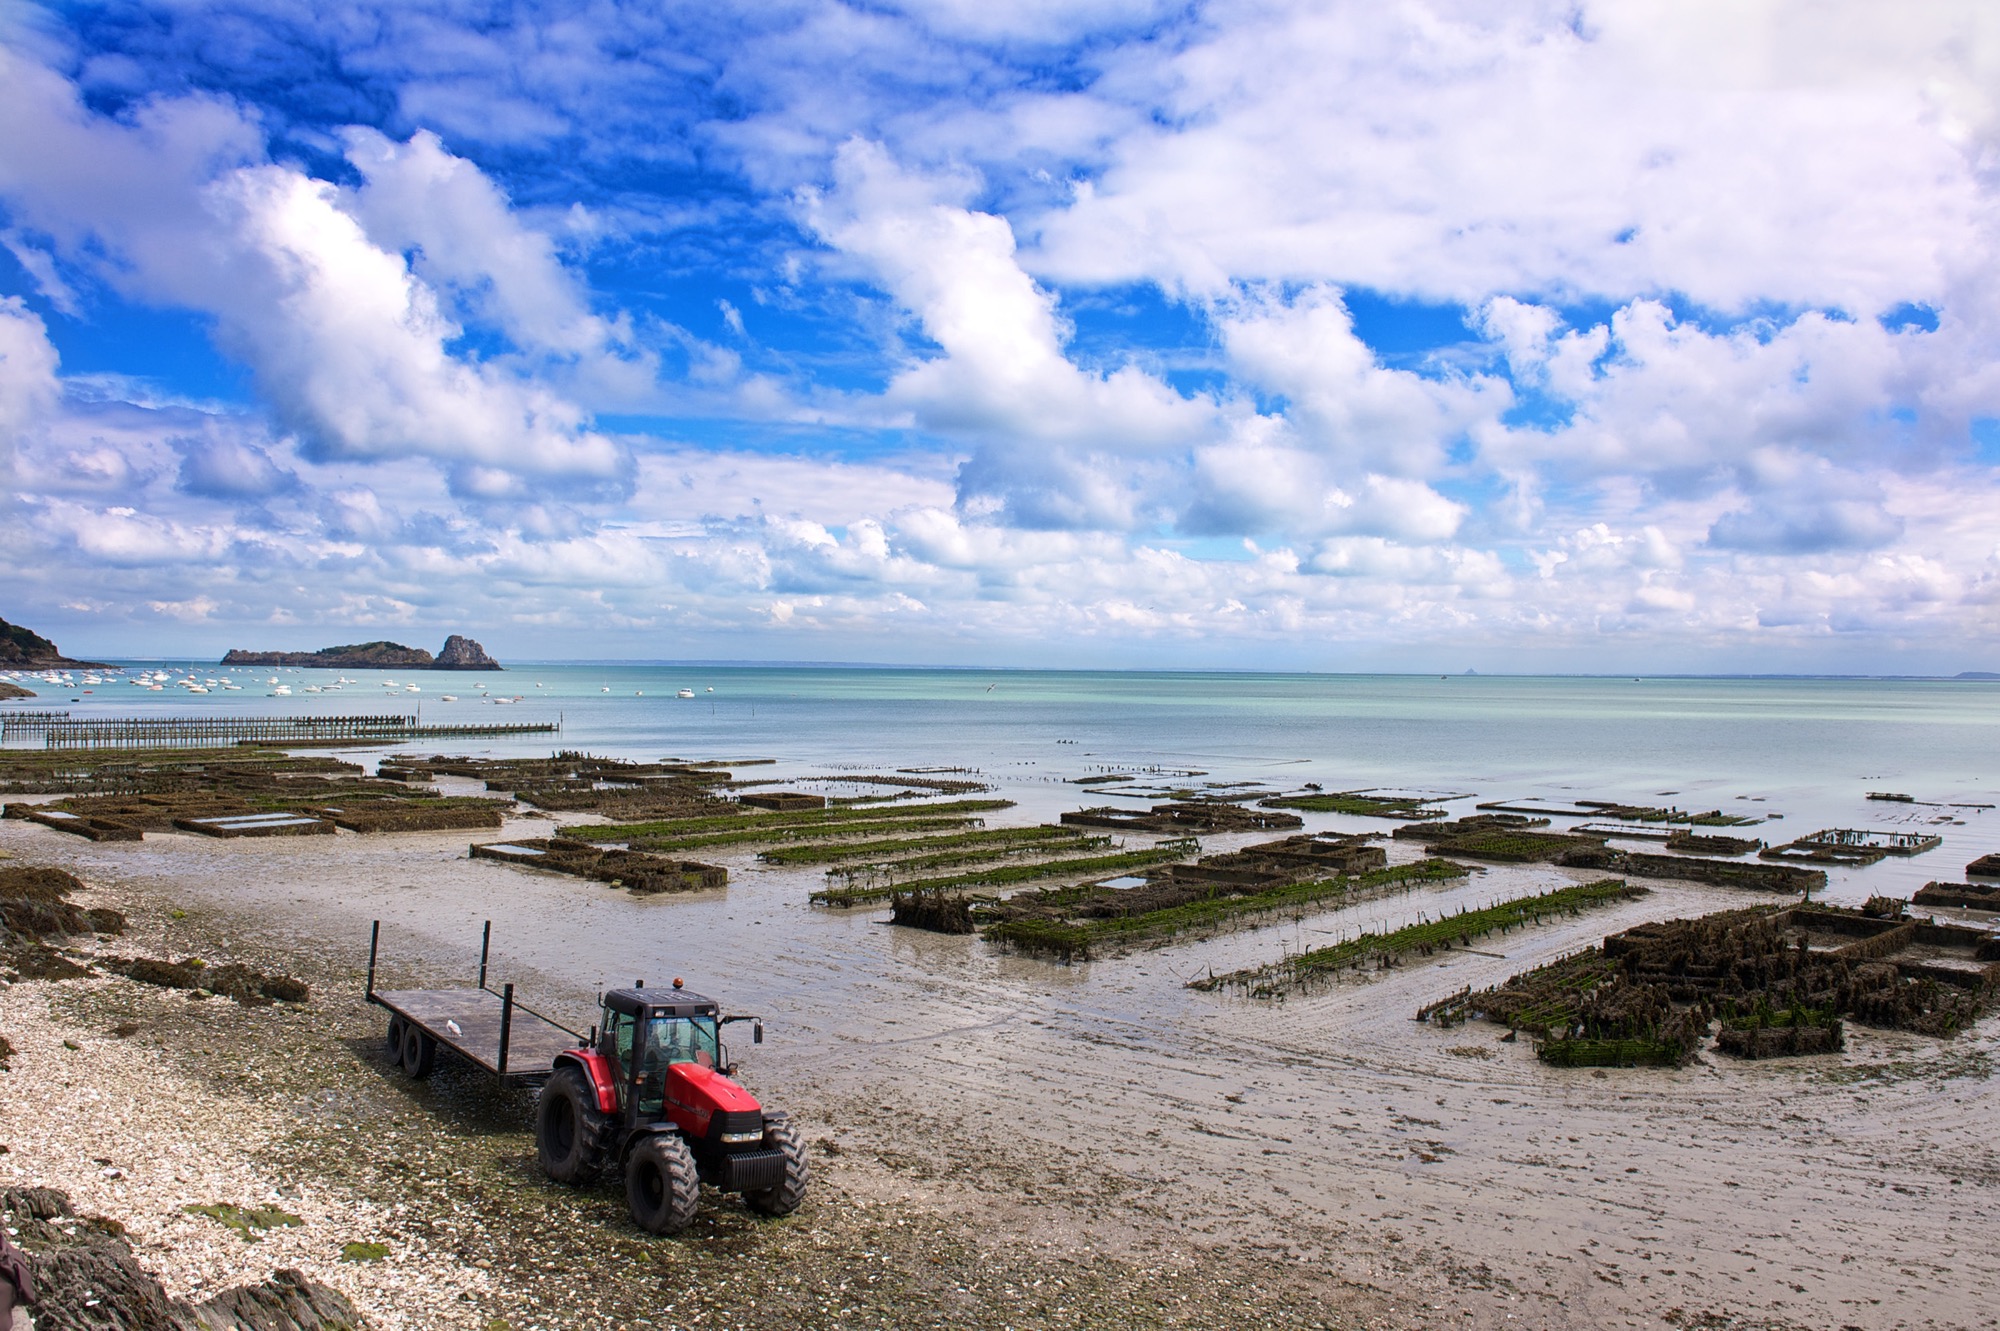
1584,337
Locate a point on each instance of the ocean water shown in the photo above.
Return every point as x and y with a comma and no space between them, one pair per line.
1806,749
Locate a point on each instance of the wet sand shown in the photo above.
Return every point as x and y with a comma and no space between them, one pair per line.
1325,1157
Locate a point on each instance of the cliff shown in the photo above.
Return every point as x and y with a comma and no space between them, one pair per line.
25,649
460,653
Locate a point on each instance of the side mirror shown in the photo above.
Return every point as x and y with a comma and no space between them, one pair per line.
757,1032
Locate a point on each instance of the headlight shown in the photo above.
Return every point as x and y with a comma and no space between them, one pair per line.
736,1138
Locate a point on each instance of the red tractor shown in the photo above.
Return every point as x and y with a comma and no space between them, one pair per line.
651,1095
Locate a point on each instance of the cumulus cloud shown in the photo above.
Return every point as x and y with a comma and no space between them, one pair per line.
1456,150
350,346
28,387
1339,398
1003,362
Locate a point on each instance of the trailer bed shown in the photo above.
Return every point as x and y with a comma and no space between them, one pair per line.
533,1041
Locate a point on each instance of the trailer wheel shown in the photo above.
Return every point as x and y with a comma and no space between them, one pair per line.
569,1129
661,1185
395,1037
419,1052
785,1198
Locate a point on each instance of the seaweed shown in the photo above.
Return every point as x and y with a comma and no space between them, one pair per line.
1075,924
908,848
1357,802
938,911
1424,938
1004,875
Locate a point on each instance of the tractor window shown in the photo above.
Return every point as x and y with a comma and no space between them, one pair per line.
682,1040
617,1042
671,1040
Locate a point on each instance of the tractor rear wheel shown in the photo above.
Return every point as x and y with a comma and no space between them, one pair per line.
569,1129
396,1038
785,1198
419,1052
661,1185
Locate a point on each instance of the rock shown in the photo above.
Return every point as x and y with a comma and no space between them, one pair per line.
462,653
86,1280
9,689
380,655
459,653
25,649
166,974
286,1302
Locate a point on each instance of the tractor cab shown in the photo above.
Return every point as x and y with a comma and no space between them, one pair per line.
653,1093
646,1035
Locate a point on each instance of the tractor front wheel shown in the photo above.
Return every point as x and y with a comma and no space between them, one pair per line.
569,1130
784,1198
661,1185
419,1052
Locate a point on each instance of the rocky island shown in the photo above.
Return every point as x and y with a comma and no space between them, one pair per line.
458,653
24,649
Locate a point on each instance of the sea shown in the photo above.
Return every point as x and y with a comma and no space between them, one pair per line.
1799,753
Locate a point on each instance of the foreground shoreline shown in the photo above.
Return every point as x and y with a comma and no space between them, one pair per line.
299,1108
1010,1174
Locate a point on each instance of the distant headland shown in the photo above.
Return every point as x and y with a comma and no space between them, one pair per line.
458,653
25,649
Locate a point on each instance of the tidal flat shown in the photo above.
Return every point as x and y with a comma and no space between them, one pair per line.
998,1139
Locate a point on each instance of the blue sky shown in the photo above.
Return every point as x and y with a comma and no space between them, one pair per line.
1113,332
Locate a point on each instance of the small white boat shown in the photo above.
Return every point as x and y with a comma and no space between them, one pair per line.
282,691
412,688
312,688
448,697
685,693
196,688
709,689
233,688
605,689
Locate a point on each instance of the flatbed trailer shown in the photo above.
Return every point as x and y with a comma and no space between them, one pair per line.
488,1028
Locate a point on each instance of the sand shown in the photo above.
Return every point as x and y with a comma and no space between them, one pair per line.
982,1123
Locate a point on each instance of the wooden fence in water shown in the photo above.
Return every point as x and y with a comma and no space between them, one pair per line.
191,732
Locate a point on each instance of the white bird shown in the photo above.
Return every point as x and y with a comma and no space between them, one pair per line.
452,1026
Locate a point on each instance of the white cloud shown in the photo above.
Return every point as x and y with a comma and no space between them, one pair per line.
1339,398
1794,152
28,388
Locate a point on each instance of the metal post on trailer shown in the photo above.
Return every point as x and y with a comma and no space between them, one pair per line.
485,942
374,938
506,1025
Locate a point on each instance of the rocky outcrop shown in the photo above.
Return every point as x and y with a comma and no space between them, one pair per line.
86,1280
12,690
25,649
360,655
460,653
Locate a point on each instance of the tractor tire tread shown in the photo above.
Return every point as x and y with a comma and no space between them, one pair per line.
788,1195
567,1091
663,1154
